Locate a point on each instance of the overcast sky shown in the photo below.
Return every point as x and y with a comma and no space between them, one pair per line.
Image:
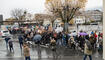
37,6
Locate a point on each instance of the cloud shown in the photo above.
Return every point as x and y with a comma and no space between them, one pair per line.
94,4
36,6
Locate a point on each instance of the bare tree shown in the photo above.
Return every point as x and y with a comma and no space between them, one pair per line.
65,9
29,16
18,14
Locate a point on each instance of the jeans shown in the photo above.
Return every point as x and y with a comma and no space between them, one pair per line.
64,42
59,42
27,58
90,57
7,45
21,44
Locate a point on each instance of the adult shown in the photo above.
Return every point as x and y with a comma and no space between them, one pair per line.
71,42
11,45
37,38
92,32
53,44
81,41
92,40
87,50
6,40
59,38
55,35
65,38
26,51
20,38
43,40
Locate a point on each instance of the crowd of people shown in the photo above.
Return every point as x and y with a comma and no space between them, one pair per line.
63,38
71,40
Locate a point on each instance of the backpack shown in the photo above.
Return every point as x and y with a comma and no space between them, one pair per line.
89,46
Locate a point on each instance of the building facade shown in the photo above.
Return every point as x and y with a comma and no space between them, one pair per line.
79,19
95,15
89,16
1,19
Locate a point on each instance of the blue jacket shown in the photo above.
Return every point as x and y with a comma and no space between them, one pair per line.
7,39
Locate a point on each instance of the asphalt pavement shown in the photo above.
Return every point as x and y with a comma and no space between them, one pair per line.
43,53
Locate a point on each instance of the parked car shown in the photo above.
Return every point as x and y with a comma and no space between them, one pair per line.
5,33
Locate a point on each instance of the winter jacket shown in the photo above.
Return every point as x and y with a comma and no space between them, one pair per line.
87,51
20,39
26,51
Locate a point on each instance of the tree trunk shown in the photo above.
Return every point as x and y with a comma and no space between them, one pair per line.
66,26
52,23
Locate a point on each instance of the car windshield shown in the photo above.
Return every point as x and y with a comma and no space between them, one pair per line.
5,31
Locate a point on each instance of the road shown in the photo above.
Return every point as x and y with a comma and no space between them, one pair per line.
42,53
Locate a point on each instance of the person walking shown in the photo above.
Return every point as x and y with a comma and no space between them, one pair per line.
87,50
26,51
6,40
11,45
20,38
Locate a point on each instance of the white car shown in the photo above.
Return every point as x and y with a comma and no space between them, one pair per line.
5,33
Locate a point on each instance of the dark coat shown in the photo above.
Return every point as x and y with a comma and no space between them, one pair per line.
20,39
